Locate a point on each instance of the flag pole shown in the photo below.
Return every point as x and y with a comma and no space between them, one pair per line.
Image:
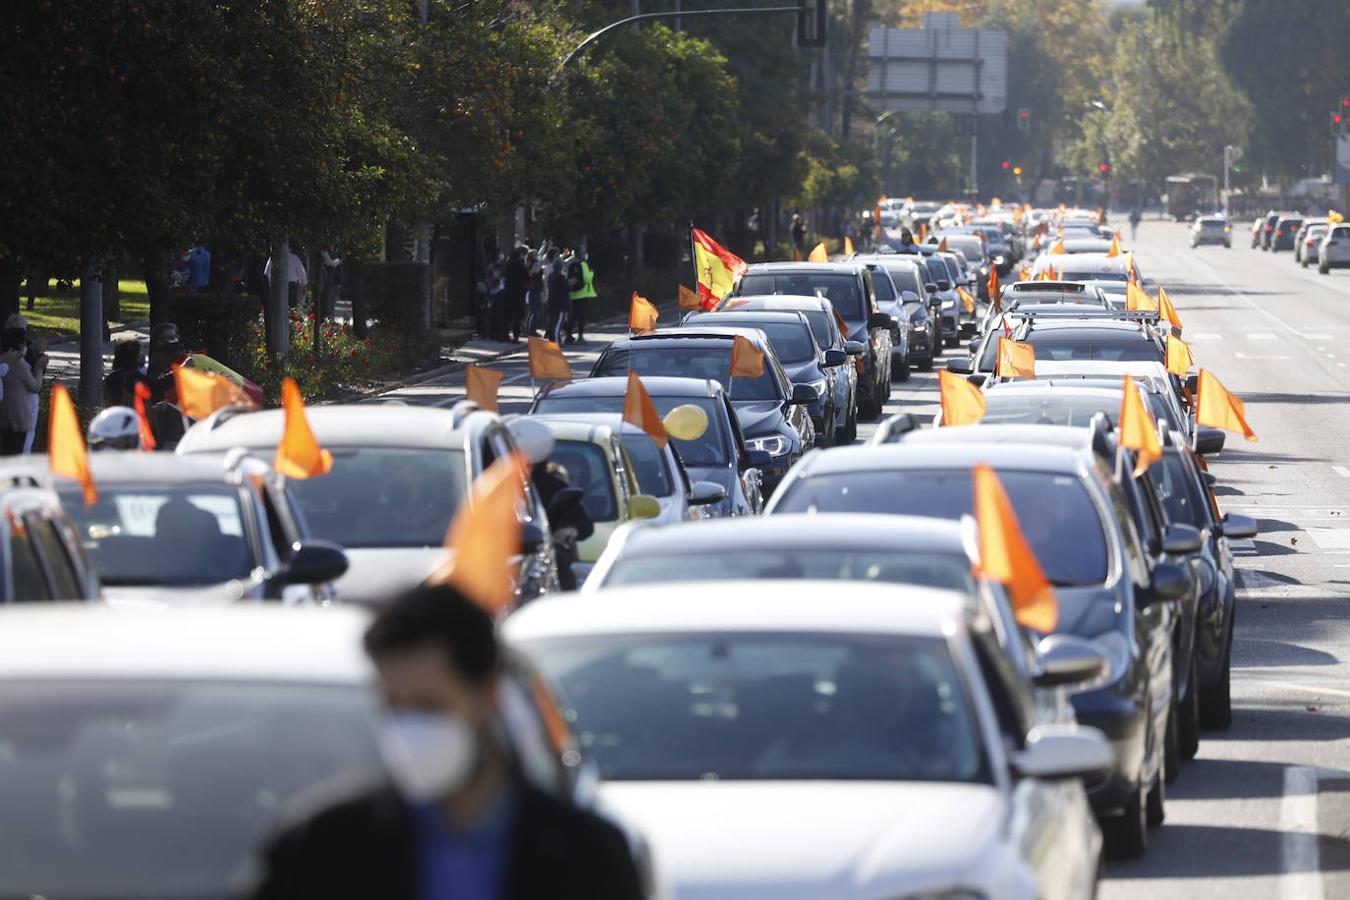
693,257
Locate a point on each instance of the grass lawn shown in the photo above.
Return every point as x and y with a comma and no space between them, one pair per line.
58,311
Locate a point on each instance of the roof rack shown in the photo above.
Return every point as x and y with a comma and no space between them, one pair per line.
1094,312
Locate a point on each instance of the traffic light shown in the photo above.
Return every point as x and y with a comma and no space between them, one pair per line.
1337,118
1017,170
1345,104
1104,168
1023,119
1006,165
811,24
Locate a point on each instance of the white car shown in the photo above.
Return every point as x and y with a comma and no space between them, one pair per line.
803,741
1335,250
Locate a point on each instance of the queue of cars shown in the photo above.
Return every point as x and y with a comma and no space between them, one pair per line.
1322,241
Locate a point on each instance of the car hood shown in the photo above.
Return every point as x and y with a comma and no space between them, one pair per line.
375,573
758,417
809,839
1087,612
128,595
803,372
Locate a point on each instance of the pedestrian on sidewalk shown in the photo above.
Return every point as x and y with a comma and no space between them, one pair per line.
199,267
332,284
581,281
22,384
296,279
516,278
35,352
535,320
558,299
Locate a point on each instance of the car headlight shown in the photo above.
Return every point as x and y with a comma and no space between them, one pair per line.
1115,649
999,260
948,304
776,445
820,387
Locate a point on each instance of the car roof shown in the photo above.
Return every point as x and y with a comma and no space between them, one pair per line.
772,317
850,267
1084,261
713,607
769,302
931,453
244,642
1069,437
1090,329
1050,387
617,385
683,335
336,425
131,467
581,428
1100,368
791,531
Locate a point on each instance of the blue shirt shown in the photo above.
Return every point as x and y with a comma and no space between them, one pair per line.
458,864
199,267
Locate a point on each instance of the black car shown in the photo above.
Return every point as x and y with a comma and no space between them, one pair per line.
1286,230
794,341
922,310
770,408
1110,589
1066,340
46,560
848,286
825,328
1265,235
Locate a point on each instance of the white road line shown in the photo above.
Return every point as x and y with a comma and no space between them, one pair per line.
1313,689
1261,336
1341,471
1258,356
1300,877
1207,336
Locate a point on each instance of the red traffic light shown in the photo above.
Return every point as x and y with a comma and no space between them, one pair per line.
1345,102
1006,165
1336,118
1103,168
1026,113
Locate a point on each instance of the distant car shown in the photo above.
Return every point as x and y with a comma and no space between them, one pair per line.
719,455
922,310
1211,230
399,475
1310,242
848,286
1086,266
771,408
1061,344
1335,250
720,713
892,304
1286,227
1267,230
45,559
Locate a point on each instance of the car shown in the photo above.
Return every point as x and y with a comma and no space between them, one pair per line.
148,752
941,286
1258,226
1286,228
1310,242
1075,401
962,278
922,310
209,528
1112,589
1267,231
1087,266
803,360
828,336
1028,299
890,302
45,560
1211,230
399,475
719,455
720,713
1085,244
848,286
1335,250
771,409
1067,342
997,244
973,247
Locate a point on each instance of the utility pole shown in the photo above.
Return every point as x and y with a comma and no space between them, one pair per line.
277,319
91,337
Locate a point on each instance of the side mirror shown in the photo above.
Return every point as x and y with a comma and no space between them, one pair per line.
1192,383
909,297
1209,441
835,357
1210,479
642,506
803,394
753,459
1066,659
974,343
314,562
880,320
930,287
533,439
959,365
1170,582
702,493
944,284
531,538
1238,526
977,380
1181,540
1072,751
855,348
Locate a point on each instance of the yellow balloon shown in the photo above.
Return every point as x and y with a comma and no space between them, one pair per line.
686,423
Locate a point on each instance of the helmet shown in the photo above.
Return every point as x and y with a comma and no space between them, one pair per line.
116,428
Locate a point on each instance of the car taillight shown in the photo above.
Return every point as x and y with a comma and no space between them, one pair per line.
1279,231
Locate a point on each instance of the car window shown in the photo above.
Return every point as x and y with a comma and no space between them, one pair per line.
1049,505
1179,494
710,360
26,575
712,449
822,328
734,707
648,463
1013,703
65,578
795,563
1062,347
589,468
839,288
905,280
881,282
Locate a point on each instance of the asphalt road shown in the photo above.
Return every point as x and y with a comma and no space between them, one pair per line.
1264,810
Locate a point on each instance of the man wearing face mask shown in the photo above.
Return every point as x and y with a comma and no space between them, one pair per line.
457,819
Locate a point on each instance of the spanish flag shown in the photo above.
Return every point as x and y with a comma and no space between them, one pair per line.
717,268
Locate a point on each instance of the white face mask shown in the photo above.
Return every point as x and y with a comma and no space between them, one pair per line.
428,754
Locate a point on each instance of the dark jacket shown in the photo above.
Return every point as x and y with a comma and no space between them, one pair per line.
364,848
559,294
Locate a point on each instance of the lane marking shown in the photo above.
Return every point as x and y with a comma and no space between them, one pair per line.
1293,686
1330,538
1341,471
1261,336
1208,336
1300,877
1258,356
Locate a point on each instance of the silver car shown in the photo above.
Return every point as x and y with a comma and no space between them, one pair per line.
1335,250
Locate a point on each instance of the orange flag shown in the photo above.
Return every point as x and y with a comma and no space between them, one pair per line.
1217,408
1165,308
818,253
1057,248
1006,557
1015,359
547,362
484,537
481,385
1179,358
1023,273
642,314
143,418
848,245
994,288
1114,249
688,299
66,452
923,232
202,393
1137,299
966,300
298,453
942,245
1138,431
639,410
746,359
962,402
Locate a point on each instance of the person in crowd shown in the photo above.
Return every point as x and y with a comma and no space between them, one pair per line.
128,370
1136,216
35,351
166,351
581,284
332,284
516,279
907,244
22,383
558,300
297,279
497,301
199,267
797,231
457,818
534,295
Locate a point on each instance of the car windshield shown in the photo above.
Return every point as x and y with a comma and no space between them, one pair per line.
161,789
881,283
736,707
1034,408
1075,275
905,280
589,468
793,562
181,536
819,320
792,341
842,290
710,360
711,449
648,464
1061,346
384,496
1179,492
1049,505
